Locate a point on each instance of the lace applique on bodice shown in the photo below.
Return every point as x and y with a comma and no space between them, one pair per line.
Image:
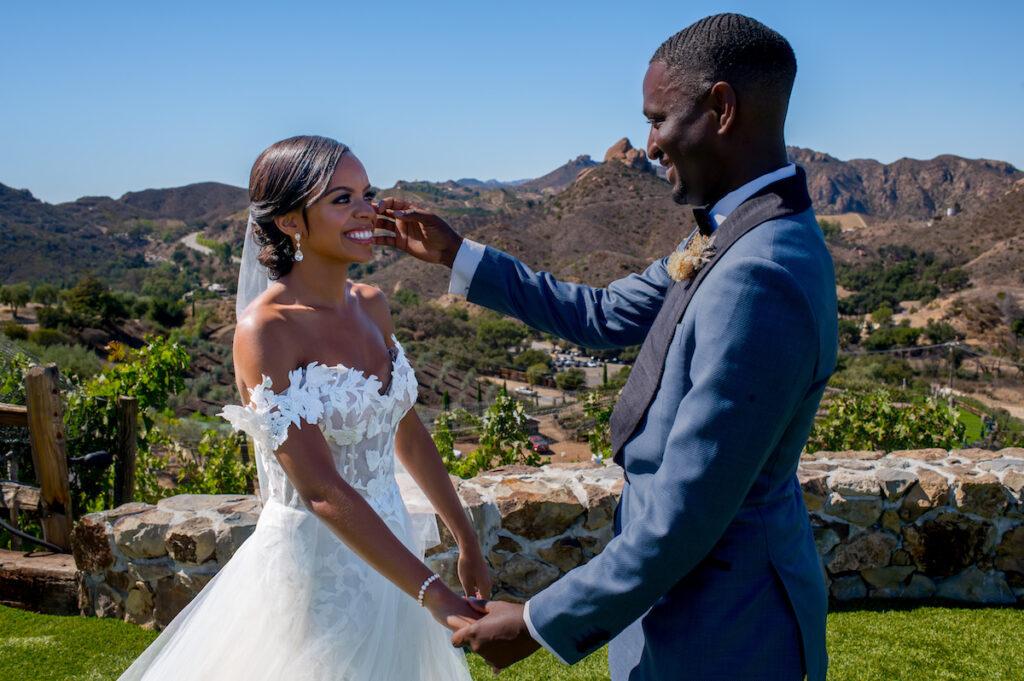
358,422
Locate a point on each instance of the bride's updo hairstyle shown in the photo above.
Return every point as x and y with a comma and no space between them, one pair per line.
289,175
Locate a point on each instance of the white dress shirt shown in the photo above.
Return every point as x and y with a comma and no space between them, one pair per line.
471,253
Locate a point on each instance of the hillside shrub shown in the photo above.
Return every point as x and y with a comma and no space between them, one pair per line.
14,330
47,337
74,361
151,375
216,468
874,421
599,408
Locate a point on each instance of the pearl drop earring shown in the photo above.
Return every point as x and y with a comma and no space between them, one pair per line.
298,248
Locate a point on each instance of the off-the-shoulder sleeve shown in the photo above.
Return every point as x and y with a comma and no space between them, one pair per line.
268,415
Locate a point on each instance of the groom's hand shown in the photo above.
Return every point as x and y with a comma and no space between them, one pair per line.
500,636
416,231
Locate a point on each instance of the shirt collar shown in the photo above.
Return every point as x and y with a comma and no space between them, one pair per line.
728,203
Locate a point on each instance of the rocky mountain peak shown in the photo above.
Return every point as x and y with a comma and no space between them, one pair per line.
623,152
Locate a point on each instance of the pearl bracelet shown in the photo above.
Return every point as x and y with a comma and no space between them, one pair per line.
423,589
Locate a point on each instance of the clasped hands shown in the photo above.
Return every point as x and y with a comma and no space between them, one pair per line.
494,630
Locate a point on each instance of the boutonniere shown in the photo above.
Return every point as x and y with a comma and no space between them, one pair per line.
684,263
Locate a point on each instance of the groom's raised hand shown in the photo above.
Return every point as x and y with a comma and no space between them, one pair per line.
500,636
416,231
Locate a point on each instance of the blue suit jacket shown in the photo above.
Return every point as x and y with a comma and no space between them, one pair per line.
713,573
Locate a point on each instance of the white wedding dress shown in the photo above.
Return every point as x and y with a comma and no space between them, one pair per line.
295,603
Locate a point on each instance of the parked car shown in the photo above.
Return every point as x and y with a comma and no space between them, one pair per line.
540,444
524,390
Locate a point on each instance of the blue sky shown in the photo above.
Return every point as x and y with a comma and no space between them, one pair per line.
101,98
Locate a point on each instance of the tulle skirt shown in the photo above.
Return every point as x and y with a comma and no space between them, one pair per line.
295,604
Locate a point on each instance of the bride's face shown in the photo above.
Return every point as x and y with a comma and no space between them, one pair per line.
341,221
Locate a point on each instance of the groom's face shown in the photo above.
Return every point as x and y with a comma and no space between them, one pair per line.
682,134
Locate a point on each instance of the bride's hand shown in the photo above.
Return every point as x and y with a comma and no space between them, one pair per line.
448,608
474,573
418,232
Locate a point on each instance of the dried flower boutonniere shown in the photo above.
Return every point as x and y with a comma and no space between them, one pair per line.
684,263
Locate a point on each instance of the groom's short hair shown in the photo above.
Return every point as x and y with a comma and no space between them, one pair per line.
733,48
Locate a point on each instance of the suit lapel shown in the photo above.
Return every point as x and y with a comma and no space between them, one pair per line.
780,199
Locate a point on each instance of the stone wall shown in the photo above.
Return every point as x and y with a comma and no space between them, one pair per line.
909,524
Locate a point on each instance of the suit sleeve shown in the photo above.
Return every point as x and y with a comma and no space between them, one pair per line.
755,344
618,315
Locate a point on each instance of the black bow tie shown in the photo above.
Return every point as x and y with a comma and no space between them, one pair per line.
703,219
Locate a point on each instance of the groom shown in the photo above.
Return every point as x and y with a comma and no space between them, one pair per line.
713,572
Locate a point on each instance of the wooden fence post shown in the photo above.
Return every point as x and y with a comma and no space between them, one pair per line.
127,446
46,433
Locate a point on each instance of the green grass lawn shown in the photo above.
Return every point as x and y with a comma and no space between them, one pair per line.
973,424
867,642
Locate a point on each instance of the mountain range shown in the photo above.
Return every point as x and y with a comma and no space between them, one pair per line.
586,220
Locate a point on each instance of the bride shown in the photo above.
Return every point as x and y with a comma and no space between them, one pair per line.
330,583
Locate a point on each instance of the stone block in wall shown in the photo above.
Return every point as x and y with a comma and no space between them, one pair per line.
814,485
525,575
148,573
1014,484
887,577
848,588
90,544
601,505
827,534
947,544
928,455
976,586
119,579
234,530
535,509
142,535
851,455
919,587
191,541
895,481
930,492
868,550
862,511
107,602
565,553
1010,556
981,495
1003,465
855,483
138,605
172,595
973,454
196,503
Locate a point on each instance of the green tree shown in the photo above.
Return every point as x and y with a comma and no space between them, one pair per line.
18,295
882,316
535,373
46,294
874,421
829,228
570,379
501,333
529,357
939,332
849,332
